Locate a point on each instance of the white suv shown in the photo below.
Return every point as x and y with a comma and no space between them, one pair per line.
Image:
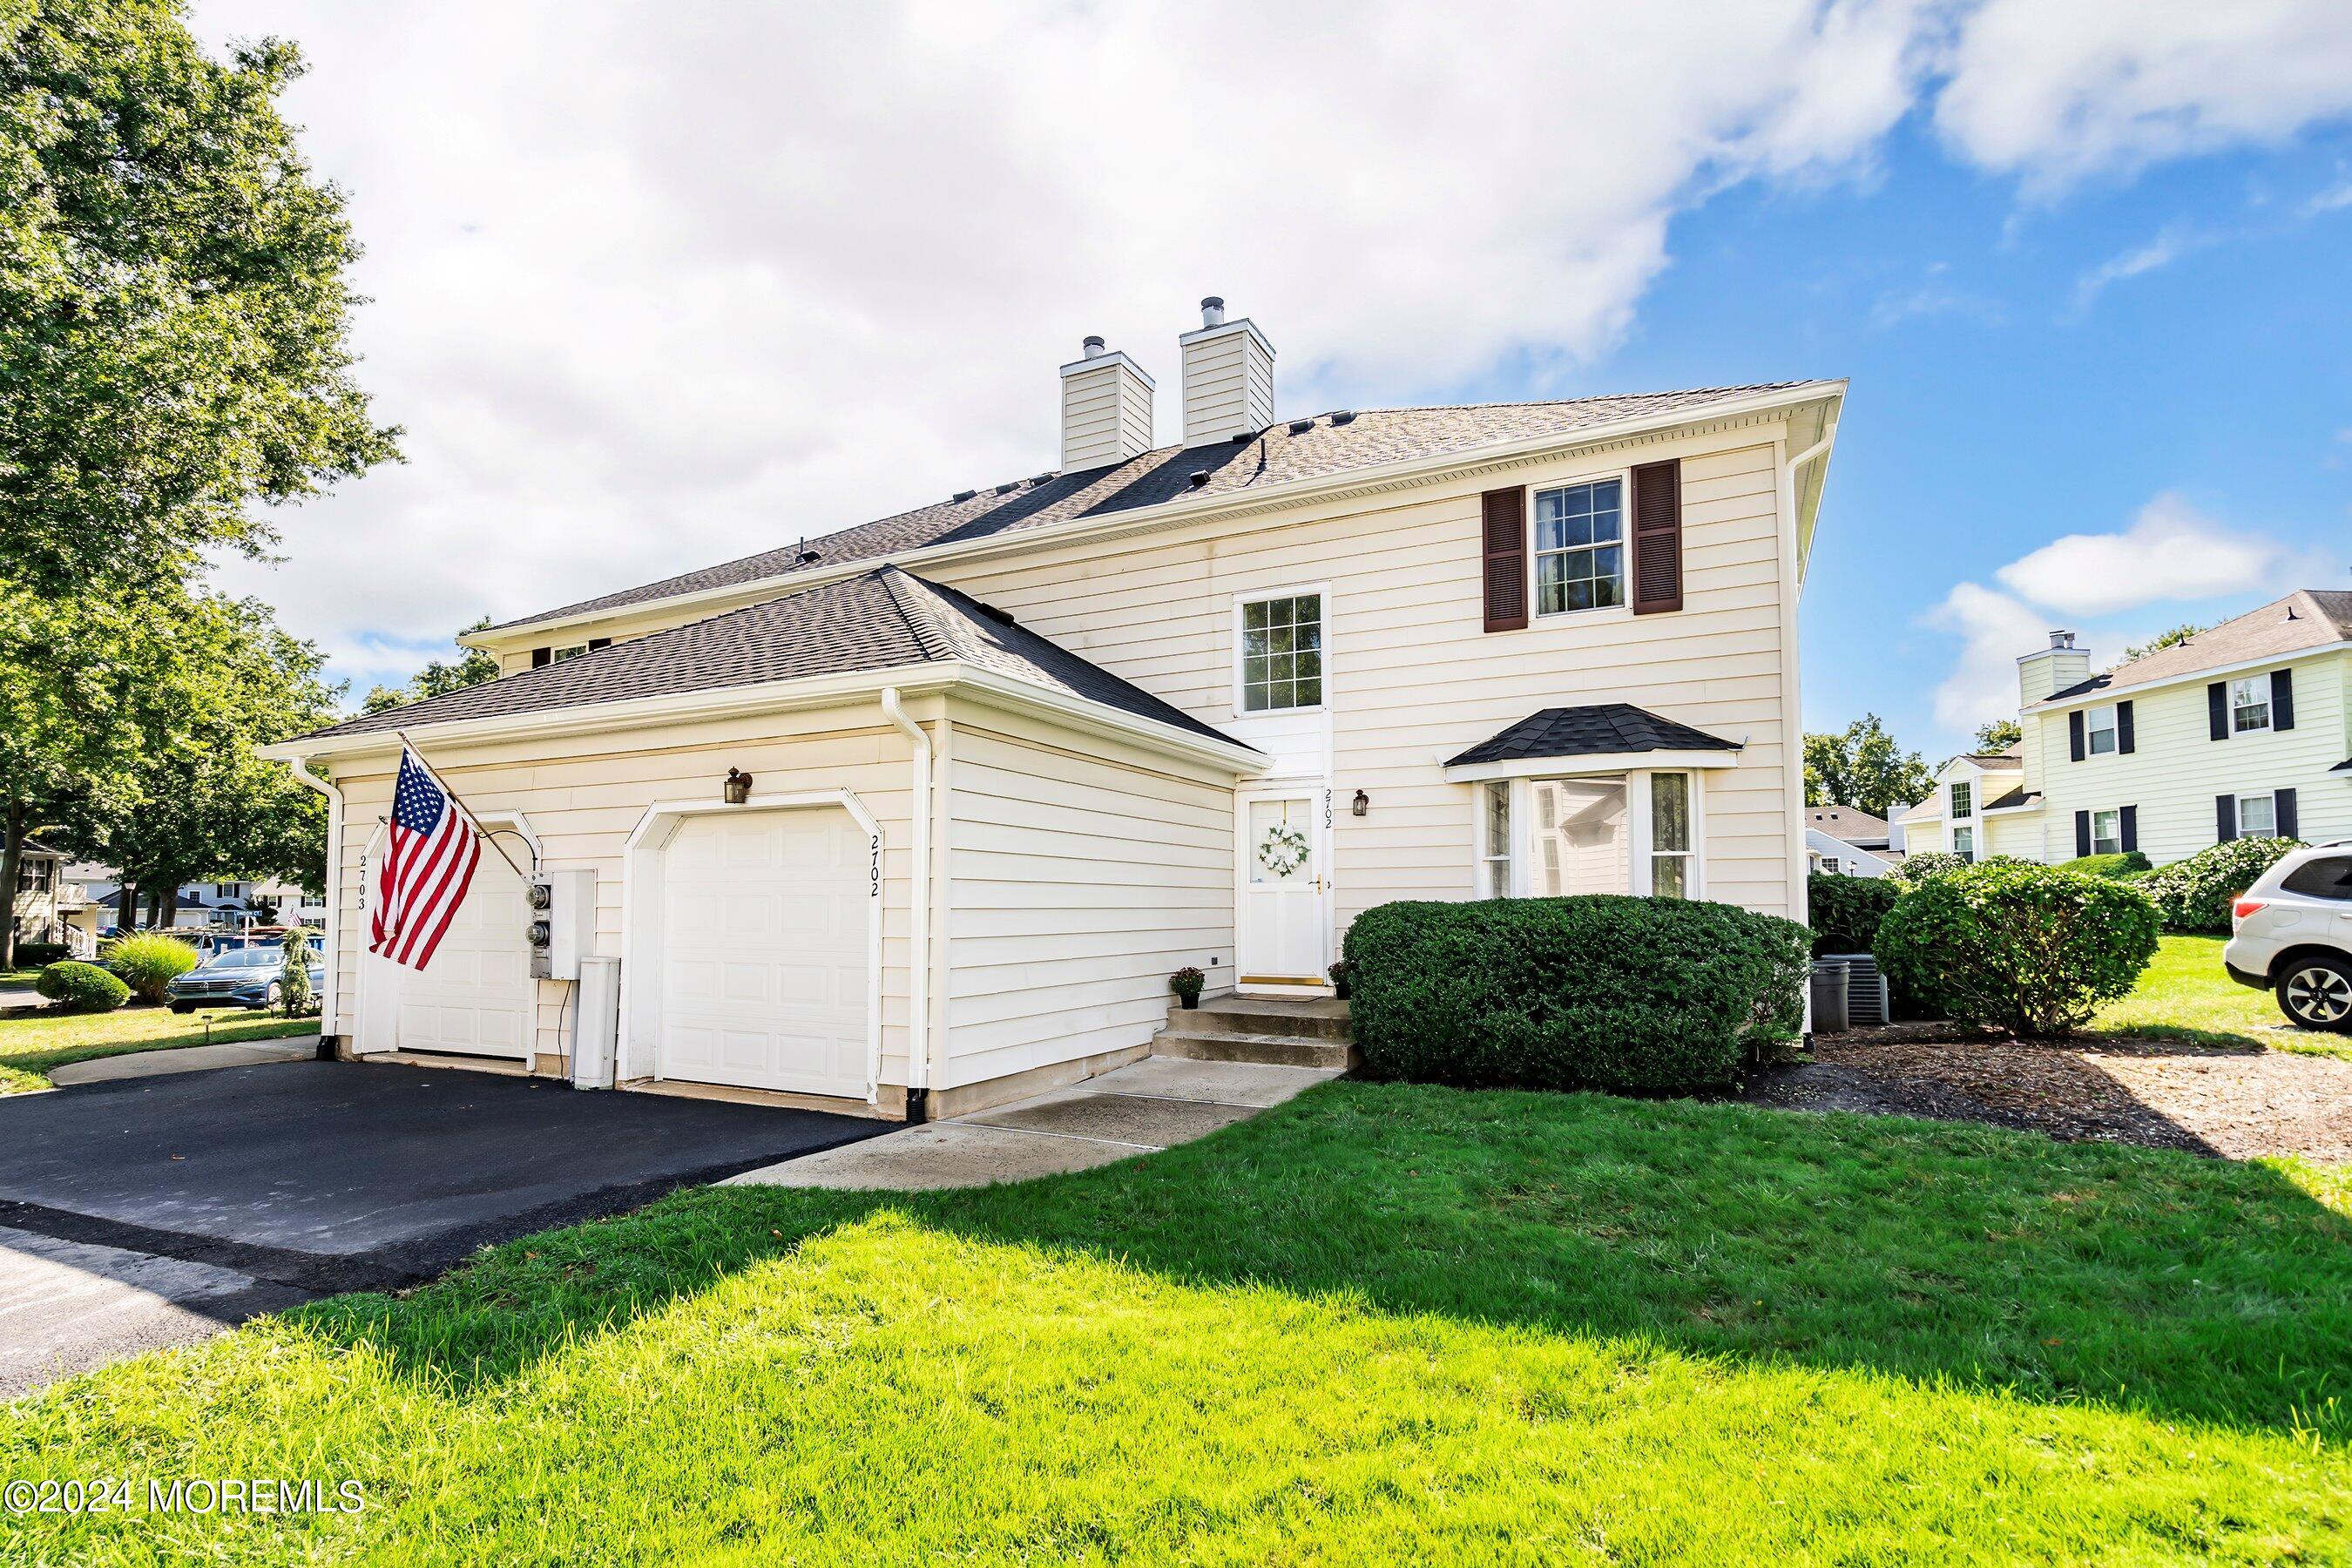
2292,934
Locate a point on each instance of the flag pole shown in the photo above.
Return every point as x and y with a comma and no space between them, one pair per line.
413,750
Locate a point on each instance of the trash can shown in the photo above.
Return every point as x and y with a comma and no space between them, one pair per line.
1830,1016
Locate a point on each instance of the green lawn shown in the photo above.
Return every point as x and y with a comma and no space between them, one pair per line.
15,978
30,1045
2186,995
1381,1324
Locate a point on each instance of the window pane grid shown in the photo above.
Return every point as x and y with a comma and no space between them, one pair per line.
1579,547
2250,704
1282,653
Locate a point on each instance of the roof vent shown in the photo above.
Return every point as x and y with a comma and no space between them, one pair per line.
1300,427
1344,416
1008,487
1041,479
1002,617
807,556
1200,477
963,495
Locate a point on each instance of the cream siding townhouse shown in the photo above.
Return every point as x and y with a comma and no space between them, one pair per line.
2244,730
1015,756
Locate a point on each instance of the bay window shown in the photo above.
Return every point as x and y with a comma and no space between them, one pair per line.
1670,836
1634,833
1495,847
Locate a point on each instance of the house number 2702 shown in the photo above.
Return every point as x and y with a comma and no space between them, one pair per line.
874,870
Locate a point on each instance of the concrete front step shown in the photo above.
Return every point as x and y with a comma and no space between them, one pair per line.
1320,1019
1238,1046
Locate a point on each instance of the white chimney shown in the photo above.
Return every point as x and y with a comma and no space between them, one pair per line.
1228,377
1106,409
2052,669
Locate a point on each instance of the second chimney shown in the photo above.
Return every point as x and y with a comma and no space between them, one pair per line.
1106,409
1228,377
2052,669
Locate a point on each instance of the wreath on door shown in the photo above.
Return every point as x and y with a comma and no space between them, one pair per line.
1283,849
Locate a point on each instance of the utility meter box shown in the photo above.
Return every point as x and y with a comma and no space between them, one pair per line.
562,914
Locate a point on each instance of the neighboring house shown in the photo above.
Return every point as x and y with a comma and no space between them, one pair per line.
2242,732
228,904
49,904
1018,754
1845,841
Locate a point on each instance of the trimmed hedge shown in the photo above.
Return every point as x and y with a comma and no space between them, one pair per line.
148,962
1844,911
1599,991
2121,867
2195,894
41,954
2033,949
1914,869
81,988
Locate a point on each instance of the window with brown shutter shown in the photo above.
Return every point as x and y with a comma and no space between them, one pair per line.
1657,537
1505,524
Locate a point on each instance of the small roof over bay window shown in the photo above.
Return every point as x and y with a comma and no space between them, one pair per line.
1607,737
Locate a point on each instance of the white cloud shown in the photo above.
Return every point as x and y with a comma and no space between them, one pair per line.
2162,251
1994,630
2171,551
655,286
2060,92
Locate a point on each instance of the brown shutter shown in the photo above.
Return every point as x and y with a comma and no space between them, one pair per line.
1657,537
1505,520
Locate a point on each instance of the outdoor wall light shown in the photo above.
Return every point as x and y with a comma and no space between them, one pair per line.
1363,804
739,787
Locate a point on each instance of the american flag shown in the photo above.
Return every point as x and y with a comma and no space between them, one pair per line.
428,864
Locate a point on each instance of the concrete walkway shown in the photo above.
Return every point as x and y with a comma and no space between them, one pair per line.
186,1058
1134,1109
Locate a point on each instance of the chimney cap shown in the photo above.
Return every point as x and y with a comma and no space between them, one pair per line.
1213,310
1093,347
2062,639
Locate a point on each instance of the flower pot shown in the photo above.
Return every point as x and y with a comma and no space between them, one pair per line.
1189,1001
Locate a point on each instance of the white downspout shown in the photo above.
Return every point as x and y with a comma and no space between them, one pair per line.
918,916
328,1021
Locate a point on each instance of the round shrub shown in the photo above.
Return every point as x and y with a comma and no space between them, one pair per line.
1844,911
1594,991
1914,869
2195,894
81,988
148,962
2033,949
2122,867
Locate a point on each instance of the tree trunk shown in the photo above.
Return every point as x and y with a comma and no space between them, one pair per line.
126,908
12,856
154,909
170,911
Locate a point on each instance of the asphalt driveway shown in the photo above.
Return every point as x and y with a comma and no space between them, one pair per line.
145,1211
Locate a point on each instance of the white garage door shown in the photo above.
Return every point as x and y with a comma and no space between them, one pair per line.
765,953
474,997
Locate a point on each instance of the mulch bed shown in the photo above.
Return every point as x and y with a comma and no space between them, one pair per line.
2230,1103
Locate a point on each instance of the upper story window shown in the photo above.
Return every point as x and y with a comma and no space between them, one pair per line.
1964,802
1281,649
2099,728
2249,703
1579,547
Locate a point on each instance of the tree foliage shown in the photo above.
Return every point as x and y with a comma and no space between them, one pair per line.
173,313
437,677
1999,735
2162,640
1862,767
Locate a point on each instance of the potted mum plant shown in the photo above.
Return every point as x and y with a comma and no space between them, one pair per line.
1187,982
1343,979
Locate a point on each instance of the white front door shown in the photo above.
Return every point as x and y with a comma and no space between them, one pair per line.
765,949
1286,927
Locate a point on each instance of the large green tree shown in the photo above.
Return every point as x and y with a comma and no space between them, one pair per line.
437,677
174,310
1861,767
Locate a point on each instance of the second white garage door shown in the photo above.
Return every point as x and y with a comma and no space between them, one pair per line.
765,959
474,998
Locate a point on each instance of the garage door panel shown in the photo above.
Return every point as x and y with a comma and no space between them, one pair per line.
766,963
476,996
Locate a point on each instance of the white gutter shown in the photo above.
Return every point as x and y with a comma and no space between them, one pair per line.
299,766
2105,695
1193,509
919,915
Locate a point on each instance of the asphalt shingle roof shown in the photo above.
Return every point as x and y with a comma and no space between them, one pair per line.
1607,728
1329,444
882,619
2306,619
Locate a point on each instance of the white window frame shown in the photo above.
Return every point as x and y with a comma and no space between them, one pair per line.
1830,865
1645,878
563,652
1624,605
1968,853
2260,686
1497,875
1240,603
2091,731
1960,800
1637,828
2270,804
2112,843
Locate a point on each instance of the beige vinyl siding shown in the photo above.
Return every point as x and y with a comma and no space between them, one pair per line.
1228,387
584,795
1411,676
2176,769
1080,876
1106,417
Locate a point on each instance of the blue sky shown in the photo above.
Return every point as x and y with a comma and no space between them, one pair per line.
652,287
2005,396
